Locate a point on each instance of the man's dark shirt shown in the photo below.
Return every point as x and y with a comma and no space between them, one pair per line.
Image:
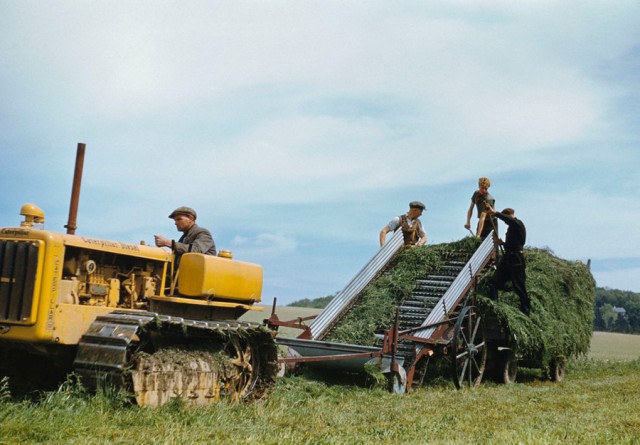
196,239
516,233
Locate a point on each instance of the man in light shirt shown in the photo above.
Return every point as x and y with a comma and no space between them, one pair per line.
412,230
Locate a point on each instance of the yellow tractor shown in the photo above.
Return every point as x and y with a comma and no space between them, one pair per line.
119,314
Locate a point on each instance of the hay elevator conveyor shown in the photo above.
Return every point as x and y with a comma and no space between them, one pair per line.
439,317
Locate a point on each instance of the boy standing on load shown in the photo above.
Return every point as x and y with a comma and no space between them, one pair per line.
414,234
480,199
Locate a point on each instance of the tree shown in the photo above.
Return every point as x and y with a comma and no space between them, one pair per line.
608,317
318,303
606,299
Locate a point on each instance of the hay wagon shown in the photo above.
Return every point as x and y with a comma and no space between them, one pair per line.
409,310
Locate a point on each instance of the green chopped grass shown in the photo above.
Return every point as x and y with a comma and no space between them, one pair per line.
562,296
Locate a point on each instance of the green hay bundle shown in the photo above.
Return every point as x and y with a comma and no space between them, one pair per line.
562,296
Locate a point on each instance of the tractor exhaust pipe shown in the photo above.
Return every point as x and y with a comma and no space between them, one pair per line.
75,190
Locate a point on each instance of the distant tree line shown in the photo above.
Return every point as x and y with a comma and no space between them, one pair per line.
617,311
317,303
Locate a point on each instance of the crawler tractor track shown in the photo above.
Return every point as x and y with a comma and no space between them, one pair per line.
159,357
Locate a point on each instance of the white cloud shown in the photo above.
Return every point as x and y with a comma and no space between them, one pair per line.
273,244
237,108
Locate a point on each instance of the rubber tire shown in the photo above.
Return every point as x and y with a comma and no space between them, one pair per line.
557,369
395,383
508,370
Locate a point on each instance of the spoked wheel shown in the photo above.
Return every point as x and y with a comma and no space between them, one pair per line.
245,368
469,348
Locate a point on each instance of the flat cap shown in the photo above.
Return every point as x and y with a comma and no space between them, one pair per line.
184,211
417,205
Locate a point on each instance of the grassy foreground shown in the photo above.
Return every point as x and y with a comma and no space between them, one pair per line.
597,403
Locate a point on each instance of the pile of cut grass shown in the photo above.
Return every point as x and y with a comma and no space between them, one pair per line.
562,295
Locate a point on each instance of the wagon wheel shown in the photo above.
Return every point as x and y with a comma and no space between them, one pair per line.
469,348
557,369
245,368
507,370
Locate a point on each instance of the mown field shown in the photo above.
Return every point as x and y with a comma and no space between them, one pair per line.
613,346
598,402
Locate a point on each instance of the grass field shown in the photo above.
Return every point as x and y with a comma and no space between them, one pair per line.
612,346
598,402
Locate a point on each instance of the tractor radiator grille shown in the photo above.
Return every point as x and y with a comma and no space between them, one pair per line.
18,267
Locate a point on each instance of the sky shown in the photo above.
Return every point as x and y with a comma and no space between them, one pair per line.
298,129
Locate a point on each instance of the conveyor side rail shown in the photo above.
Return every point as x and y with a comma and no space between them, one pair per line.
347,297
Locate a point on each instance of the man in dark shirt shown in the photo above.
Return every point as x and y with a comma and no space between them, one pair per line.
511,266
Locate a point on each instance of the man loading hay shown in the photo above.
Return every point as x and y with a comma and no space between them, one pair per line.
414,234
480,199
511,266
